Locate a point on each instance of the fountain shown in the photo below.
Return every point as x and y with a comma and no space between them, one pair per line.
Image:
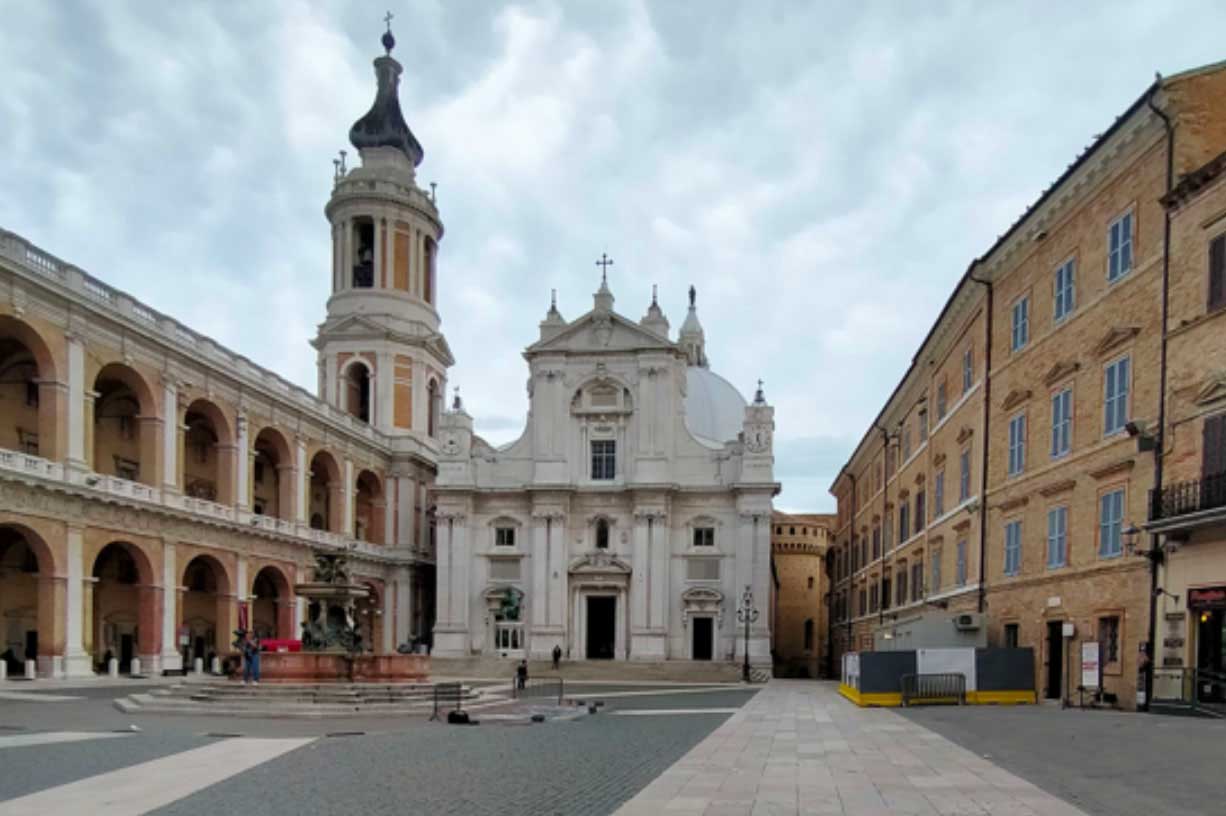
332,647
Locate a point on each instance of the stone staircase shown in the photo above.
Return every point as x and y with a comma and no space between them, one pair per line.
228,698
612,671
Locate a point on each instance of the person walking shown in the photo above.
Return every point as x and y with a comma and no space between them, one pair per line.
251,659
521,674
557,657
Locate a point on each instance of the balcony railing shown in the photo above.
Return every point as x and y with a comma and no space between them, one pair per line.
1186,498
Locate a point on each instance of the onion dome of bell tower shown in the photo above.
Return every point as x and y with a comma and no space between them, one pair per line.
384,125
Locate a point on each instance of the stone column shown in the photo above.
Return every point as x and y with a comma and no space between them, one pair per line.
389,618
347,499
52,605
170,435
76,403
301,503
242,456
406,519
451,635
389,511
404,608
87,605
649,589
640,587
76,658
172,658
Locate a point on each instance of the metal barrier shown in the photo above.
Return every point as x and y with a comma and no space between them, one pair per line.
447,696
544,688
933,688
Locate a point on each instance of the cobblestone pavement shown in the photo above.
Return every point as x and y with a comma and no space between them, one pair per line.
1107,763
799,748
407,766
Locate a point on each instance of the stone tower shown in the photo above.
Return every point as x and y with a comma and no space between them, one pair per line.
381,355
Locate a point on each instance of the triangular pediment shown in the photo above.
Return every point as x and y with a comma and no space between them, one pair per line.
602,331
1114,338
1060,371
1015,398
1212,389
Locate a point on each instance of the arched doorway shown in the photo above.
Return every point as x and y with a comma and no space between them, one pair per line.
124,445
27,392
357,390
326,504
208,455
272,476
26,610
125,614
204,609
273,605
369,508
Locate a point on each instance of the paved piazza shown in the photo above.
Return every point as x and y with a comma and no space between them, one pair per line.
791,747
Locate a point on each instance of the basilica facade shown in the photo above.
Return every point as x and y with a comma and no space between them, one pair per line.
158,491
631,520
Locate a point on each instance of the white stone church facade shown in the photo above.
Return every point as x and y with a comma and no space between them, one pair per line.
628,519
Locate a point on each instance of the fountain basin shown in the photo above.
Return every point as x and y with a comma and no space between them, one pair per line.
339,667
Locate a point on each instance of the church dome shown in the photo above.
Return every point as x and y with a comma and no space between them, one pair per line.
714,409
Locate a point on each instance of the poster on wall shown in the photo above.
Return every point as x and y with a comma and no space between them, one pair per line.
1089,664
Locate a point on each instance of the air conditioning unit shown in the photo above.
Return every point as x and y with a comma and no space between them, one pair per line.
968,621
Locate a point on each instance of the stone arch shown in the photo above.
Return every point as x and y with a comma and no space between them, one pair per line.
126,605
273,474
204,607
28,596
357,378
30,393
326,493
206,463
125,425
370,507
272,604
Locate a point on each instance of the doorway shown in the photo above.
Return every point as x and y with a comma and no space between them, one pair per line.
127,651
1055,659
704,638
1211,655
601,627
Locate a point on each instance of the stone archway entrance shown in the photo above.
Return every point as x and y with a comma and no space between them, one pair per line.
273,605
599,594
125,609
26,605
205,600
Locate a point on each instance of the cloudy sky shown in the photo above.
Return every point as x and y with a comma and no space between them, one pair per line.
822,172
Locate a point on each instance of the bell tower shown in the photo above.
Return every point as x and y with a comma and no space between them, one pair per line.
380,353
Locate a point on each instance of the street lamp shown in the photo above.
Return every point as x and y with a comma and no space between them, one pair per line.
747,615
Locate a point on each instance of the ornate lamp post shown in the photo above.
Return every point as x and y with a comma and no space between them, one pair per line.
747,615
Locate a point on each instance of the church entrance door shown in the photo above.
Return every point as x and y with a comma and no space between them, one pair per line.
601,627
704,636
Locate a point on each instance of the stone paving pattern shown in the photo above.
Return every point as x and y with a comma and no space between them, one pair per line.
799,748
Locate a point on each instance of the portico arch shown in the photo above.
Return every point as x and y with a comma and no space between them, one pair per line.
207,455
125,425
358,384
273,475
272,604
204,609
27,596
326,506
126,608
369,508
30,394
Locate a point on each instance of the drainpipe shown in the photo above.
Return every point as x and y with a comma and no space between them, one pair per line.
1155,551
984,446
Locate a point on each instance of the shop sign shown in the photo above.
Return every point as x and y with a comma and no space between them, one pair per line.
1089,664
1207,597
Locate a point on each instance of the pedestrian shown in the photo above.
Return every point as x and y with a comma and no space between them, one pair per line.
251,659
557,657
521,674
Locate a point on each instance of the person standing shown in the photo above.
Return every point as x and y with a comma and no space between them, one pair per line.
521,674
557,657
251,659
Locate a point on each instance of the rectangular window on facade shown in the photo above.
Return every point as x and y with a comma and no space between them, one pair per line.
906,442
504,537
1021,324
876,543
1013,548
938,495
1057,537
1017,444
917,580
604,458
941,400
1116,383
702,569
1109,639
887,532
960,569
1110,523
968,369
1119,247
1213,448
886,596
1217,273
904,522
1011,633
1065,297
872,598
1061,422
863,603
920,510
934,571
923,424
964,476
704,536
901,588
